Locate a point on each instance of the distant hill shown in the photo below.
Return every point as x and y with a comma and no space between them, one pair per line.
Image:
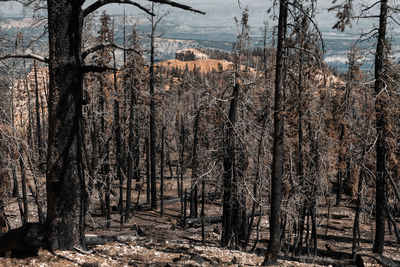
205,65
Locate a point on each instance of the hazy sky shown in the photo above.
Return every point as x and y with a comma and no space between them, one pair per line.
219,13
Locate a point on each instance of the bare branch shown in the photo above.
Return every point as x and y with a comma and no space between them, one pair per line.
101,46
394,20
312,22
28,56
367,8
178,5
96,5
365,17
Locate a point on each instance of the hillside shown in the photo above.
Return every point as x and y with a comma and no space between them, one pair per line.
185,153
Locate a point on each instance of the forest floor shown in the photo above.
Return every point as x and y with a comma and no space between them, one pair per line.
149,239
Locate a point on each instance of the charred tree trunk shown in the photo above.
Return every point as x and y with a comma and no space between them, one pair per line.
24,188
234,218
132,151
136,156
340,172
182,154
193,191
108,197
229,174
118,142
271,257
146,143
152,120
381,130
162,171
63,229
16,192
181,162
203,235
356,227
300,165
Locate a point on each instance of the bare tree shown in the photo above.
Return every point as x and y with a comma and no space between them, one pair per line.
271,257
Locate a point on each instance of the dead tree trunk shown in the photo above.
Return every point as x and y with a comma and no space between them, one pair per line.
63,229
271,257
356,227
38,127
146,143
152,119
234,219
193,191
24,188
381,130
162,171
132,151
229,175
340,173
118,145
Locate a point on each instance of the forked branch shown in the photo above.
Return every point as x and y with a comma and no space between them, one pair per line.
98,4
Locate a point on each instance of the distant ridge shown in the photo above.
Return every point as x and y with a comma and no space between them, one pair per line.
205,65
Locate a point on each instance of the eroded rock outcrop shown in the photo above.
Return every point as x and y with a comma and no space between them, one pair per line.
190,54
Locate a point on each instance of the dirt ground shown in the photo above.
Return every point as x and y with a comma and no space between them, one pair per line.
149,239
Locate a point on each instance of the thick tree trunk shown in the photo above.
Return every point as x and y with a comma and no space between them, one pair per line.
229,174
271,257
63,229
381,131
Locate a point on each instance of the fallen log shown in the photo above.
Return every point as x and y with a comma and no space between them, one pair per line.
22,242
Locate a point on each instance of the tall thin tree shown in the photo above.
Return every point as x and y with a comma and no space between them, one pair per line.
271,258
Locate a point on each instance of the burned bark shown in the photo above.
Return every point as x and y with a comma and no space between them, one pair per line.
271,257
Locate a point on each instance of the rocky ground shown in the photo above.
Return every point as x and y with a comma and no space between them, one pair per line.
149,239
